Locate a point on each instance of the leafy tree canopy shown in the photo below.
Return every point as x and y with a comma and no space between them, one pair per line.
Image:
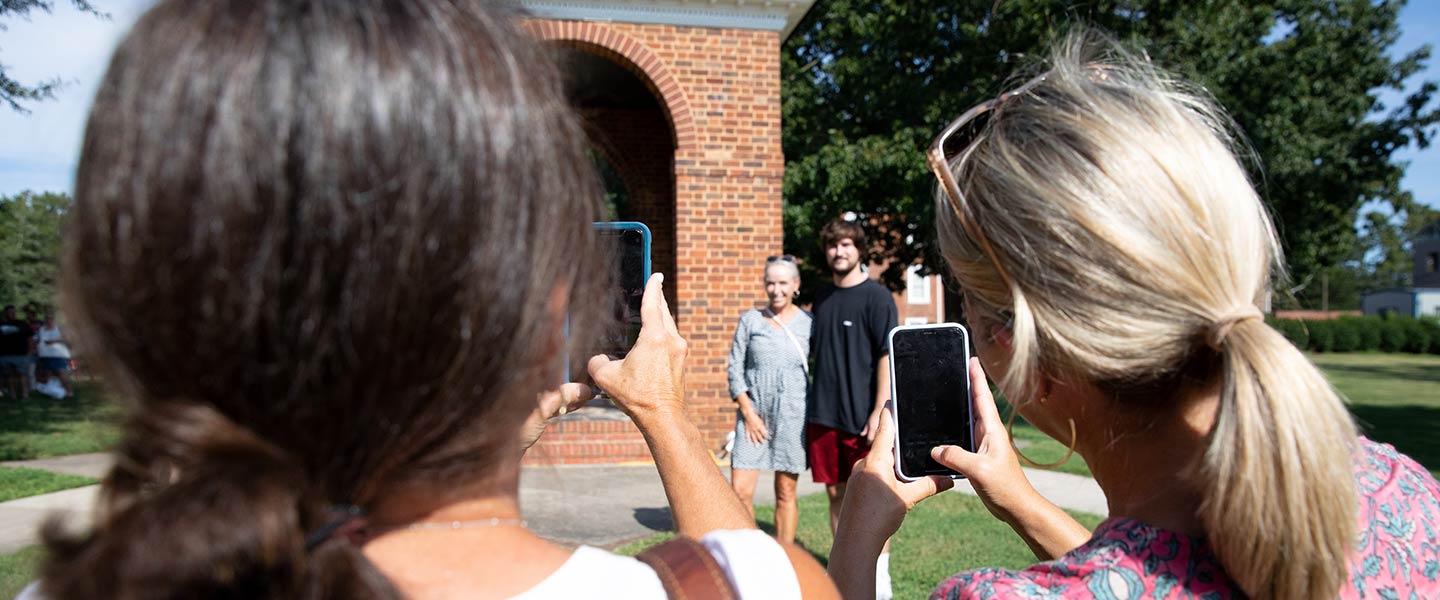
868,83
13,92
30,226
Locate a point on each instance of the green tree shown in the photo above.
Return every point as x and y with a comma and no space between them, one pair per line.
867,83
1382,258
30,226
13,92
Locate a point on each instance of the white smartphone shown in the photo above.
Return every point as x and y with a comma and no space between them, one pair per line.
930,392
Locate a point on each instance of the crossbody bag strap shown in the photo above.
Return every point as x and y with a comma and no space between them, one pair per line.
688,571
804,360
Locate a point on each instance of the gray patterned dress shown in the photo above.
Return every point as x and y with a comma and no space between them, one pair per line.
765,363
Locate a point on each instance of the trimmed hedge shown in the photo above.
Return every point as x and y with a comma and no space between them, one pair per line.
1363,334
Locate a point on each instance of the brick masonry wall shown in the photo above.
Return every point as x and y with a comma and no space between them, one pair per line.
640,147
721,92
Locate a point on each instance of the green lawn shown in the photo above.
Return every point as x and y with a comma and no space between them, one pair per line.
20,483
944,535
18,569
1395,398
43,426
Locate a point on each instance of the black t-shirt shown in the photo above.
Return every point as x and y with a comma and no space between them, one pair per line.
15,338
846,341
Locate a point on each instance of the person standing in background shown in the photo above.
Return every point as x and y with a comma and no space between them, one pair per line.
53,355
852,371
32,317
16,337
769,369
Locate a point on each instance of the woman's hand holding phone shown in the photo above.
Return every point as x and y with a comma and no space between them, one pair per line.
876,502
650,379
994,471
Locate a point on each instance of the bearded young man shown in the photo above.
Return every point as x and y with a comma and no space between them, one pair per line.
852,318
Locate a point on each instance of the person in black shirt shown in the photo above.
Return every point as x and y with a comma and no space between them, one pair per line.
852,318
15,339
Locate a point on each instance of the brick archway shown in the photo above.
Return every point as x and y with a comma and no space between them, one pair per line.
606,42
710,187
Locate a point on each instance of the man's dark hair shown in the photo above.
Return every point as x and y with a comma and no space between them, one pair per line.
8,308
342,224
840,229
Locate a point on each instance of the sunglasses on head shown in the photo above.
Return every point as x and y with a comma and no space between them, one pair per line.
950,150
790,258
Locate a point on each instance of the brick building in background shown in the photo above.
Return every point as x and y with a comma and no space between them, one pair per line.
681,102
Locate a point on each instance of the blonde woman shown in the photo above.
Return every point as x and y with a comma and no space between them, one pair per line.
768,378
1113,256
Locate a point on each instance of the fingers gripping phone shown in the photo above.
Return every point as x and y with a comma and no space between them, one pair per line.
930,389
629,243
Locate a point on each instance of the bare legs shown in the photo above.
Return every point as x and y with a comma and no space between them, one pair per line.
787,509
836,493
743,480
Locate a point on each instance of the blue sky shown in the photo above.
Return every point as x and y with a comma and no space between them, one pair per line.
38,151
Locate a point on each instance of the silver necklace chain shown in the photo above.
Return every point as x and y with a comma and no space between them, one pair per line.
451,525
429,525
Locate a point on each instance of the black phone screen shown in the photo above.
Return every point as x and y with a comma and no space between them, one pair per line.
630,249
932,395
630,275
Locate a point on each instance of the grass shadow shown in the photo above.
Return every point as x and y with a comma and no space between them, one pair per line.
1411,372
767,525
1411,428
42,426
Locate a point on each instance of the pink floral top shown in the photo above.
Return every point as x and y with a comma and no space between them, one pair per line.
1397,551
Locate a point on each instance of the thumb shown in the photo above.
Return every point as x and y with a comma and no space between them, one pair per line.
575,395
884,437
955,457
599,368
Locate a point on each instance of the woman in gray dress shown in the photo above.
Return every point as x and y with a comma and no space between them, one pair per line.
769,368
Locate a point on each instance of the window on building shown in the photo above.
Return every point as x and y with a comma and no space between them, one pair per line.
916,321
1432,261
917,288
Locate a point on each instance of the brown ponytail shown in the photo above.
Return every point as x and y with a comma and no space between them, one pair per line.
217,513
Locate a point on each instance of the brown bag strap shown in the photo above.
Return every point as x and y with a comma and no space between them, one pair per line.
687,571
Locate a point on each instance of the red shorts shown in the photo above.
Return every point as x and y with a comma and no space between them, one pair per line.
832,453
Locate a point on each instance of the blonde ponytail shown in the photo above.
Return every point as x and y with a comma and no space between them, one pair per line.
1135,254
1281,504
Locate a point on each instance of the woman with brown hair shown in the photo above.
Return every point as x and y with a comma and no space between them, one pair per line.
326,250
1113,257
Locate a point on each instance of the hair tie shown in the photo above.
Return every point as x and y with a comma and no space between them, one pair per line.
1220,328
347,521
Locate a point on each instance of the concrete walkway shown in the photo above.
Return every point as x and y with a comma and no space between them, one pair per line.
602,506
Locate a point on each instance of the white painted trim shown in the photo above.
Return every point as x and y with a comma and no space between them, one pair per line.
766,15
939,288
917,288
